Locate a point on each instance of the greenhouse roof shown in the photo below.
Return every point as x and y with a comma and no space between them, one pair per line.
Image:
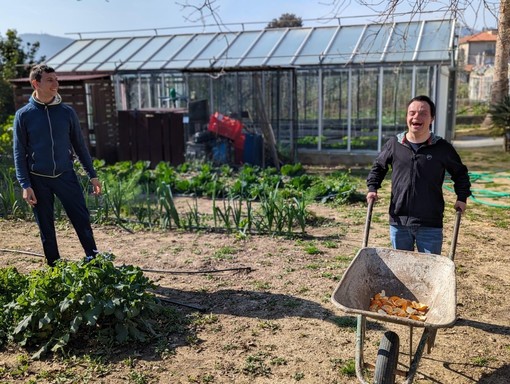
429,41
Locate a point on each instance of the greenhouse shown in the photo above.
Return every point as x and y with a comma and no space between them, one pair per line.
323,91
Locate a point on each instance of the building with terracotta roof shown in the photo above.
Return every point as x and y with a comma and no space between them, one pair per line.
478,49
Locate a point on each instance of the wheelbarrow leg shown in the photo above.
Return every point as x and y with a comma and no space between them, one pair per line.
431,340
417,356
360,340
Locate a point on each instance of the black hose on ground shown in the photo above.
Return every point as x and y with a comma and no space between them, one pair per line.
245,269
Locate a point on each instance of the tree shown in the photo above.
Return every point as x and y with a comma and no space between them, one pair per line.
286,20
15,62
500,84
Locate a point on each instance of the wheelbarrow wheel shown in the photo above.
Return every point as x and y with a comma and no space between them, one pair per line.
387,359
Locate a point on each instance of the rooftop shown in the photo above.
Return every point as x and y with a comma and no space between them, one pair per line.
428,41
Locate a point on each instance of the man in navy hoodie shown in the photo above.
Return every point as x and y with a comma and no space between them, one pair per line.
419,160
47,135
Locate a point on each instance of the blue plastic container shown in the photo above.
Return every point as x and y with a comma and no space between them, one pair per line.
253,149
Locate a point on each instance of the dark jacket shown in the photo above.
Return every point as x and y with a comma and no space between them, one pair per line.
417,179
46,137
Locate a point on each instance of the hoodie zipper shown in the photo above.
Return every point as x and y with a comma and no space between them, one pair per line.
52,140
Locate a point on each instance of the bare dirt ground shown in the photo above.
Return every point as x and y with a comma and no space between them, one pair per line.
276,323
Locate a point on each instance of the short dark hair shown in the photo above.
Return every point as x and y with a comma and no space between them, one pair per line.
427,100
37,71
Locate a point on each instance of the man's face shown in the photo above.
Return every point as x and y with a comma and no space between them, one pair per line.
47,88
419,117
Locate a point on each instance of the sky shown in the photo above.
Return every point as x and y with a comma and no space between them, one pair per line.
66,17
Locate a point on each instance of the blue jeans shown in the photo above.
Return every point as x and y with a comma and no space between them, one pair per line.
427,239
68,190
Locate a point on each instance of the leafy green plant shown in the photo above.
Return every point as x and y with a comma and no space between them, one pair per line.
500,114
167,206
11,201
6,134
255,365
56,305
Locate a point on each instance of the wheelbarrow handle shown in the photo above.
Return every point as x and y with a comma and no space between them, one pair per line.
456,227
368,220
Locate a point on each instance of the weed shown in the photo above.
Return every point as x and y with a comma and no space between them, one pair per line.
224,253
278,361
345,322
136,377
312,249
349,368
255,365
269,325
262,285
202,379
303,290
482,361
331,276
330,244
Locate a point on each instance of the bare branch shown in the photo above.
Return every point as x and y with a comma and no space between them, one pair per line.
201,11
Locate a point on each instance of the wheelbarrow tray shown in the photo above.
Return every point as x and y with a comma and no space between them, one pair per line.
423,277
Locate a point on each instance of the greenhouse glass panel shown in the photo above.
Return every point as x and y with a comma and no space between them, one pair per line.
373,44
343,45
131,89
189,51
199,86
397,91
103,55
83,55
364,117
425,81
288,47
403,43
260,51
168,51
225,94
164,84
213,50
435,42
335,90
68,53
281,106
246,94
314,47
308,108
145,53
237,50
123,54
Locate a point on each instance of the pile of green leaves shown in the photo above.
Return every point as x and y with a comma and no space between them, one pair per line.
49,308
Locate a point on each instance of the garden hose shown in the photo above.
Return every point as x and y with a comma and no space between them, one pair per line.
237,269
479,194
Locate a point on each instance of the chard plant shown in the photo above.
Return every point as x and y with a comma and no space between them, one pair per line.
47,309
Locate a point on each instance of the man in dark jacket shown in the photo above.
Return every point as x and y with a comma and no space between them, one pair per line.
47,134
418,159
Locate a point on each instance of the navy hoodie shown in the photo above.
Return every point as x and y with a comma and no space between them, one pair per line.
45,138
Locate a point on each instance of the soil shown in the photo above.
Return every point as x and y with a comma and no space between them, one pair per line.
274,322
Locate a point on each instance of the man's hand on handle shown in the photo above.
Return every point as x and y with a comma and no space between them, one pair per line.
460,206
372,196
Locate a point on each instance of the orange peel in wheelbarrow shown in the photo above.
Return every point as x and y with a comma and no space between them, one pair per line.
397,306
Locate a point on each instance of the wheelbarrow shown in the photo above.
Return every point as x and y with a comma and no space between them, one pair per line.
422,277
